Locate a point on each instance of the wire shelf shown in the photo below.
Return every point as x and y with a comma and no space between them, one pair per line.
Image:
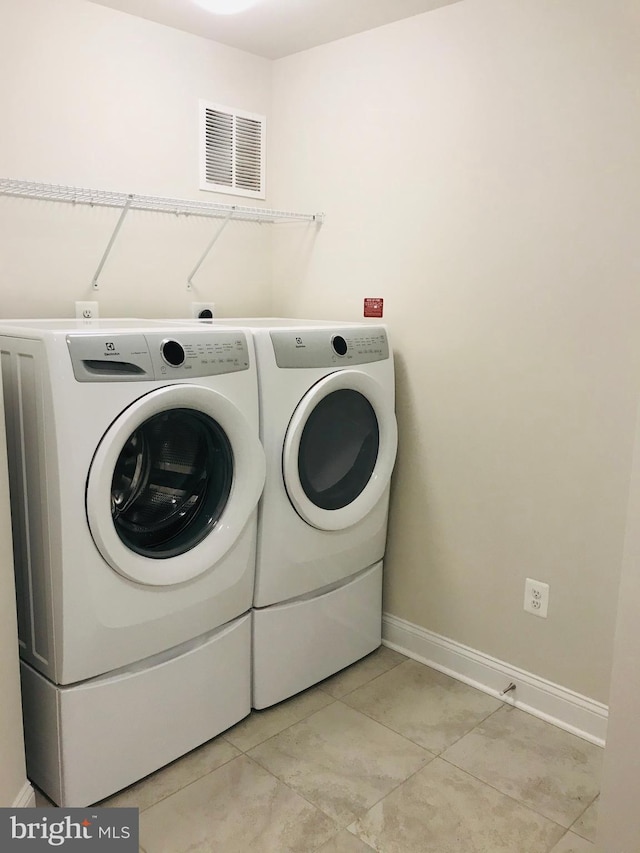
130,201
186,207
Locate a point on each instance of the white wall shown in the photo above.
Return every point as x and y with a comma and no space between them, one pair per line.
478,168
95,98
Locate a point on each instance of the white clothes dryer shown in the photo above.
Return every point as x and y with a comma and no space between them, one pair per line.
136,470
328,426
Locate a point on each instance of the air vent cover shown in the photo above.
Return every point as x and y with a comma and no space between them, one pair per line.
232,146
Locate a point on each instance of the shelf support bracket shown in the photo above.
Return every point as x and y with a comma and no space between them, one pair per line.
212,243
125,210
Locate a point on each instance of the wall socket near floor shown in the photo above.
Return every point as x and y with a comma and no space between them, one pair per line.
536,597
202,310
87,311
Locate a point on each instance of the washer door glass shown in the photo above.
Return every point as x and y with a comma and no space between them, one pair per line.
338,449
171,483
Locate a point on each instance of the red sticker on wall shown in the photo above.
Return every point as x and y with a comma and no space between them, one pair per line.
373,307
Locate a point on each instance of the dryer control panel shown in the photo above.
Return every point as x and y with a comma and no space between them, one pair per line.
156,355
337,347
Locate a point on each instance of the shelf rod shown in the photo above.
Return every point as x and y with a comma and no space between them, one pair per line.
208,249
125,210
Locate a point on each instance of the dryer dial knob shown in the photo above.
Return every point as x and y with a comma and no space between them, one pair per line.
173,353
339,344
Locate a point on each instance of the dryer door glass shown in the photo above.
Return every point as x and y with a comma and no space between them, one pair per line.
171,483
338,449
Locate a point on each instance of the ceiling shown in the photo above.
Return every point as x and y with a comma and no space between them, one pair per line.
277,28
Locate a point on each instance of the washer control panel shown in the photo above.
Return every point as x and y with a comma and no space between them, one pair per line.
329,347
156,355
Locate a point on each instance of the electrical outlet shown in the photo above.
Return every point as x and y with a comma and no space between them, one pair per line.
87,310
536,597
202,310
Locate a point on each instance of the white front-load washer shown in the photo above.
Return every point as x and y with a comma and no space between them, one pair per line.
328,426
135,471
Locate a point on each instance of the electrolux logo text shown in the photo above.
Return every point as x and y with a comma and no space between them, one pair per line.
70,829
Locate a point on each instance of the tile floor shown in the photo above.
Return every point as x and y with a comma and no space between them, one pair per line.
388,755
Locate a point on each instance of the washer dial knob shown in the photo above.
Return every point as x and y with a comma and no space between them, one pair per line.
172,352
339,345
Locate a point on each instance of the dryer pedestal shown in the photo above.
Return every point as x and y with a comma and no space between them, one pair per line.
301,642
89,740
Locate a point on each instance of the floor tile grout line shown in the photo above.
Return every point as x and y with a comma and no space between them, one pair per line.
301,795
565,830
364,683
200,778
222,764
368,846
182,787
432,757
389,729
476,726
286,728
449,746
569,828
504,703
395,788
479,723
406,737
509,796
318,849
530,808
571,832
580,816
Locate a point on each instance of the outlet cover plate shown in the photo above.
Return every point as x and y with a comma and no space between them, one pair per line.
87,311
536,597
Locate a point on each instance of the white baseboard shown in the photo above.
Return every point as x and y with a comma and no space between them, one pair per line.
557,705
26,799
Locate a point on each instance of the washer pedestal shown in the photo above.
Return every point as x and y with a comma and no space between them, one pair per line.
301,642
89,740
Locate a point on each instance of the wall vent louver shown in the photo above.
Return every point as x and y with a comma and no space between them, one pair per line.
232,148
